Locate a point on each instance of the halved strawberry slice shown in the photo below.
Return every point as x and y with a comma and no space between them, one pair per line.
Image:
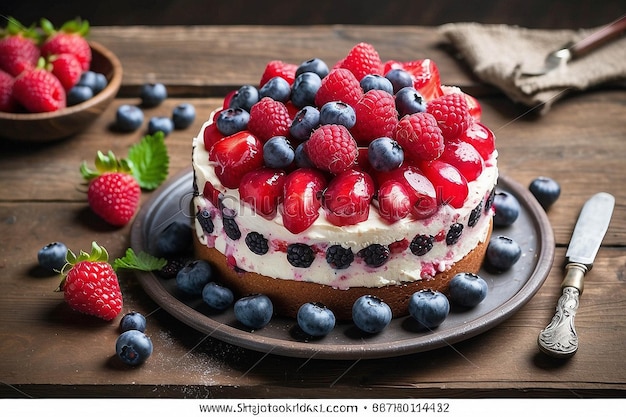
464,157
394,202
301,205
236,155
449,183
420,190
347,198
263,190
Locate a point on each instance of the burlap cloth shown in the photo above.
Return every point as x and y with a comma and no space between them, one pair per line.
499,55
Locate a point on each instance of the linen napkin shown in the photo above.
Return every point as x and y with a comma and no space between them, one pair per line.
499,55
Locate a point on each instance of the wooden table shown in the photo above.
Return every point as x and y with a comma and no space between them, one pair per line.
50,351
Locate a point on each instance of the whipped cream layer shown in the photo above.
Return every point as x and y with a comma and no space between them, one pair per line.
402,264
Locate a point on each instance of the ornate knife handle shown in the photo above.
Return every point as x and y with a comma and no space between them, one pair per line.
559,339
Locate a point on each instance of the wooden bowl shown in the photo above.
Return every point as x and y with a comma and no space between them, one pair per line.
49,126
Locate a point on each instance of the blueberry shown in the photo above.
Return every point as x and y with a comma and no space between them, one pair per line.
217,296
152,94
301,158
175,239
276,88
399,79
315,319
385,154
467,289
160,124
306,119
409,101
231,121
183,115
507,209
337,113
315,65
101,83
133,321
89,79
194,276
503,252
254,311
278,152
133,347
52,256
304,89
79,94
429,308
371,314
245,97
376,82
546,191
128,118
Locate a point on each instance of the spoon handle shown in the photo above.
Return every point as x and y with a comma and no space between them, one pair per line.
599,38
559,339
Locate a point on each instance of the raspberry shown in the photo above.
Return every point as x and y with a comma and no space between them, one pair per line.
278,69
420,137
362,60
376,116
339,85
452,114
332,148
269,118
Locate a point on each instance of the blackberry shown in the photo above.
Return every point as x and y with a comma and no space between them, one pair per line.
475,215
231,228
204,218
171,268
375,254
300,255
257,243
454,234
421,244
490,198
339,257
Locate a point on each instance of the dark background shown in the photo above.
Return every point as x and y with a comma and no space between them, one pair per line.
529,13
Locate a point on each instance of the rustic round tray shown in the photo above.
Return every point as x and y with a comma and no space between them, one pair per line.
508,291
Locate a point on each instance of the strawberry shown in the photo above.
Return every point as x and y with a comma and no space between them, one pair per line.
67,68
278,69
211,135
420,190
332,148
269,118
236,155
18,48
376,117
7,100
339,85
69,38
452,114
449,183
347,198
420,137
394,202
481,138
362,60
464,157
263,190
114,188
113,192
426,78
38,90
90,284
301,206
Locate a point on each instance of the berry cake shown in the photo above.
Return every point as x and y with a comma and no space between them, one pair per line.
323,184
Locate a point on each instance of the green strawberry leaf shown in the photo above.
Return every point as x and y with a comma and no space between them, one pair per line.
149,161
139,262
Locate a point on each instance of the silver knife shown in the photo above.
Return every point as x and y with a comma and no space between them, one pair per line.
559,339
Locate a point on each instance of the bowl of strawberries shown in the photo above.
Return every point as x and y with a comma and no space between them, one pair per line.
53,82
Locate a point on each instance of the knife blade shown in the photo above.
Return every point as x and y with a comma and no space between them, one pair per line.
560,339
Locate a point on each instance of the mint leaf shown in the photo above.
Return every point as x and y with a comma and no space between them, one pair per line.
149,161
141,262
